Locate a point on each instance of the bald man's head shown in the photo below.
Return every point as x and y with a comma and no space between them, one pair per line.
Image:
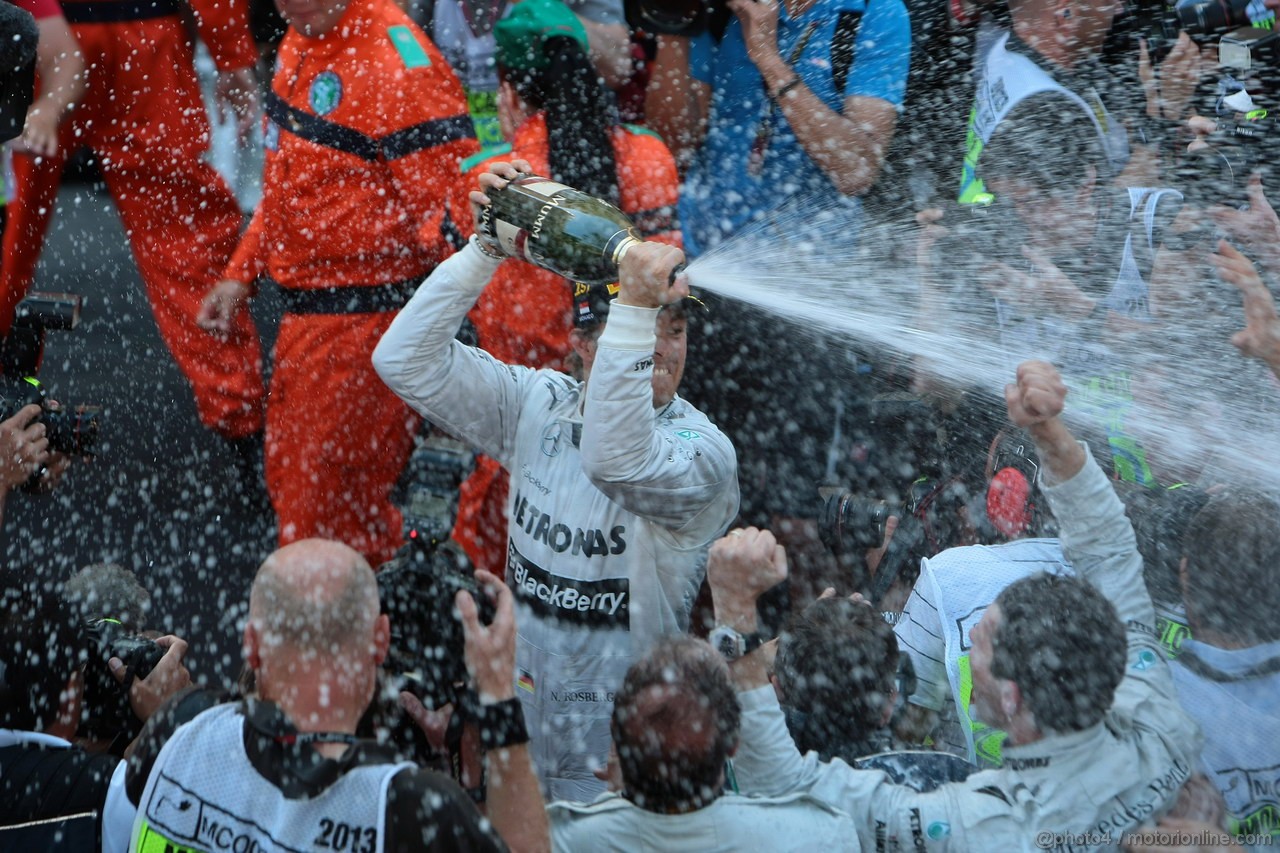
314,595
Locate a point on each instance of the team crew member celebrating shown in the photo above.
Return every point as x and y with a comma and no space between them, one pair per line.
620,483
368,127
559,117
1070,667
143,115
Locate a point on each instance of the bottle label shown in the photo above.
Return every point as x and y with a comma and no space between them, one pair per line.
520,241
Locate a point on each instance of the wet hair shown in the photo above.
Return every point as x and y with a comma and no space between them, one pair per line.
42,644
1048,143
580,116
836,666
109,590
1160,518
675,723
1232,547
1064,646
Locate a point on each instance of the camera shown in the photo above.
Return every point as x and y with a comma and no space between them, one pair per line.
678,17
1160,22
109,714
1218,172
1248,48
427,655
929,521
73,431
70,429
417,588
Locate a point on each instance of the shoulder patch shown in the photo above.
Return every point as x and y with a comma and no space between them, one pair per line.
484,154
639,130
1145,660
410,49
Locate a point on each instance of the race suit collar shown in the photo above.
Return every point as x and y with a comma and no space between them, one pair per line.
1054,747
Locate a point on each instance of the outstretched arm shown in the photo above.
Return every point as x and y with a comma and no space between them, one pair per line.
1098,541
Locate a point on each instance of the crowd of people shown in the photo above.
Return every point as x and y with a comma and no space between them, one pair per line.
776,606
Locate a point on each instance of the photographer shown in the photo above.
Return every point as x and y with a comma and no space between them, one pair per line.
284,767
621,483
24,450
1097,743
1062,264
71,708
764,110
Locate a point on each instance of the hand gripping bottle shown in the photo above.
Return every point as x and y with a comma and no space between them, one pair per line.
558,228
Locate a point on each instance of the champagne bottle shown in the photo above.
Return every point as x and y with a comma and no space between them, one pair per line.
558,228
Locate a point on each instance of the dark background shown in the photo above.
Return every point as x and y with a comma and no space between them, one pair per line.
160,496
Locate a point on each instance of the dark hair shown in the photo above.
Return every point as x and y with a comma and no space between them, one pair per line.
1040,141
580,116
1232,548
1062,643
109,590
836,664
41,646
1160,519
675,723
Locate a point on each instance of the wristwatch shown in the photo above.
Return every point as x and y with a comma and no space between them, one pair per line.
733,644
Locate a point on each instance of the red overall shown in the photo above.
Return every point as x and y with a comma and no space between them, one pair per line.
144,116
367,129
525,314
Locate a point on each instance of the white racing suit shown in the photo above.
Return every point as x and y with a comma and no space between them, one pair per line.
1074,791
611,508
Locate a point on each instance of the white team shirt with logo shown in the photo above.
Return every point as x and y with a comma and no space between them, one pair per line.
611,508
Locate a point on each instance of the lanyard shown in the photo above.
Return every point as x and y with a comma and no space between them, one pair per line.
764,129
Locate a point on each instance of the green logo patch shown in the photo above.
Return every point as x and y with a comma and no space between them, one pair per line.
1146,660
938,829
326,93
409,48
688,434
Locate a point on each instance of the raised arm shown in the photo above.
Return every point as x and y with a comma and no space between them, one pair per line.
676,103
514,798
464,391
1098,541
678,470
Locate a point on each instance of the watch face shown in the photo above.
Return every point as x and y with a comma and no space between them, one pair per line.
726,641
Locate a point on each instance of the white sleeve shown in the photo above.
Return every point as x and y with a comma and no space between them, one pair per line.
887,816
679,473
1098,541
463,390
